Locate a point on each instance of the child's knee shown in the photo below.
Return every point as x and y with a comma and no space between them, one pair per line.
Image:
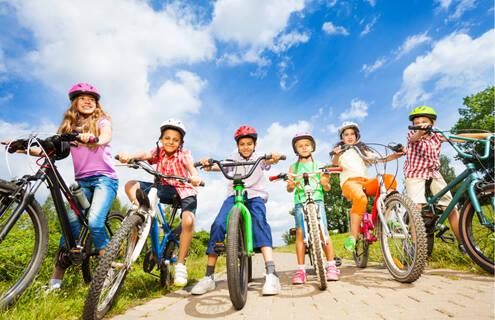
129,185
359,204
187,219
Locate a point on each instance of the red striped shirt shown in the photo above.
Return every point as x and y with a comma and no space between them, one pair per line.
175,165
423,156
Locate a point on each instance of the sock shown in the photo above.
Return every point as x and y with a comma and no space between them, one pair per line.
210,270
301,267
55,283
331,263
270,267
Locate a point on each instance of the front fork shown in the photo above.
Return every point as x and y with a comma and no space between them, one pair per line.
319,218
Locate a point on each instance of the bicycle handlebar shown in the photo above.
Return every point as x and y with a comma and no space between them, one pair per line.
324,170
136,164
47,143
447,137
222,164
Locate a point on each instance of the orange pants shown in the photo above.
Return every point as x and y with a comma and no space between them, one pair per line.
358,189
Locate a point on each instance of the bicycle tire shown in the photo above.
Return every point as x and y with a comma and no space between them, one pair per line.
361,251
250,269
405,258
171,251
237,259
112,223
15,275
315,246
480,249
101,296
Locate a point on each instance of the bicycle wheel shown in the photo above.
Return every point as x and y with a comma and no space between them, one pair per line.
361,251
250,269
315,245
237,259
477,236
171,252
404,252
112,224
112,269
430,220
24,247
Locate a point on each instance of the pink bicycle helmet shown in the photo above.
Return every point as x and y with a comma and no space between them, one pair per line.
83,88
303,135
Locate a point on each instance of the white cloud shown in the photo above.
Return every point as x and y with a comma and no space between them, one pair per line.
358,110
288,40
330,28
286,82
462,6
367,28
456,61
411,43
332,128
371,2
6,98
331,3
252,25
2,62
378,64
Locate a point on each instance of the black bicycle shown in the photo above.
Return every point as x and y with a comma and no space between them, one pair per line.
24,226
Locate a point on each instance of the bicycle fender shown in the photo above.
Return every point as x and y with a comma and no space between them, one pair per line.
142,239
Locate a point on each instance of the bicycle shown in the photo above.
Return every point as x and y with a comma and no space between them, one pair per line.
126,246
476,219
399,226
239,248
313,223
24,227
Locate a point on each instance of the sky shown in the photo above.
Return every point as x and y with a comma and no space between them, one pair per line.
281,66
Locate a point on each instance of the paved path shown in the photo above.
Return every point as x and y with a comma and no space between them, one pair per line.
368,293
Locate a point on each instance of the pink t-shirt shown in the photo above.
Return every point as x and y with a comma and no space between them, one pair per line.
91,162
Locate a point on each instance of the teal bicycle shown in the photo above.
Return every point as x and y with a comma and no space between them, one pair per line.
476,220
239,248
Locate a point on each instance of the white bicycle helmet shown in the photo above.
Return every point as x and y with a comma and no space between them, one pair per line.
347,125
173,124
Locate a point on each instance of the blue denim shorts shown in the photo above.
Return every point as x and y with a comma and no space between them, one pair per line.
166,192
299,217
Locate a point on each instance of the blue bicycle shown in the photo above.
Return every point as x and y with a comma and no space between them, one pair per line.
128,242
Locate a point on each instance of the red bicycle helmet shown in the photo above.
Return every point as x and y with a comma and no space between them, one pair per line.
83,88
245,131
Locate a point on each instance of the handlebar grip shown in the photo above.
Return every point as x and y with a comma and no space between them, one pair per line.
117,157
202,184
93,140
197,164
273,178
419,128
283,157
331,153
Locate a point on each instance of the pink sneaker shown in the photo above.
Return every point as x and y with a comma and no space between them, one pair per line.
299,277
332,273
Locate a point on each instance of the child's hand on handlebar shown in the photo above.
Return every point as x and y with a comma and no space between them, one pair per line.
195,180
337,150
291,184
325,181
276,156
85,138
124,157
205,164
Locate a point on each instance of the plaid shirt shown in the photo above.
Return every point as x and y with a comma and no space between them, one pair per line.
174,165
423,157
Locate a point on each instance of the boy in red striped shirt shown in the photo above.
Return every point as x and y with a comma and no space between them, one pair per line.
423,162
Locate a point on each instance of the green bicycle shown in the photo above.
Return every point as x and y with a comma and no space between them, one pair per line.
476,219
239,247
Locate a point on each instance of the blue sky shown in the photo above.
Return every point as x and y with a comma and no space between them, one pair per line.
281,66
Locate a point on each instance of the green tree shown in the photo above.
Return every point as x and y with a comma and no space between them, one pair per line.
288,238
478,113
336,206
448,174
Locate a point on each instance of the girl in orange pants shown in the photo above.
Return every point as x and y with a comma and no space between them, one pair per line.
356,186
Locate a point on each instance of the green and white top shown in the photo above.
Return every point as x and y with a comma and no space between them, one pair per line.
314,181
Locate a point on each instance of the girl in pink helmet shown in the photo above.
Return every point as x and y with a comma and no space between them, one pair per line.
93,166
304,145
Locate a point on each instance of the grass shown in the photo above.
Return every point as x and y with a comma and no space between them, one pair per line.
138,288
444,256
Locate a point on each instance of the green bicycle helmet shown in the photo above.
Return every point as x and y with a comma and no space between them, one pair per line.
423,111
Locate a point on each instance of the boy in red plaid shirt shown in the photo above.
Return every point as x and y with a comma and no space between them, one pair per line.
171,159
423,162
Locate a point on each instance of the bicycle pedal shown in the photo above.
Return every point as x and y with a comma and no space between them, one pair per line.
448,238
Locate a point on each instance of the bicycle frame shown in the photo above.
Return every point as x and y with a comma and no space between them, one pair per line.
48,173
158,247
469,177
239,203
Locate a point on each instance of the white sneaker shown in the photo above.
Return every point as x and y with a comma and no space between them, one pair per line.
180,276
272,285
204,285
